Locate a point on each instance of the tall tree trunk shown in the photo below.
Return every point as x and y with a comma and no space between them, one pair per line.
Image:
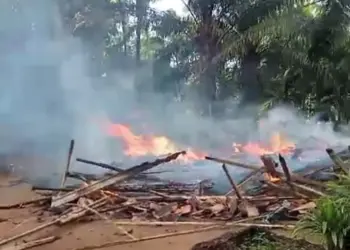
208,85
251,87
207,44
140,4
123,21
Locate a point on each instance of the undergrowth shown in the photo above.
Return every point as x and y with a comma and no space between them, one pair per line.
331,218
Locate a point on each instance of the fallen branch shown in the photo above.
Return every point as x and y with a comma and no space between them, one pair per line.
71,196
31,244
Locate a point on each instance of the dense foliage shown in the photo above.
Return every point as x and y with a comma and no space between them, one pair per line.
265,51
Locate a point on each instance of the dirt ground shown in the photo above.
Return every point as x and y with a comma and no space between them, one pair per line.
78,235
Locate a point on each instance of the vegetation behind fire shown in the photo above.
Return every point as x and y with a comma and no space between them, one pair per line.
270,51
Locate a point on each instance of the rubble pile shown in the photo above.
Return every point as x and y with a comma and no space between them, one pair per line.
280,198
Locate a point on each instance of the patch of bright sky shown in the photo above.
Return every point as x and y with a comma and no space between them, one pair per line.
176,5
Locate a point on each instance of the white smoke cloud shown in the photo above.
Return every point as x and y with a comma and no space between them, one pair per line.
47,98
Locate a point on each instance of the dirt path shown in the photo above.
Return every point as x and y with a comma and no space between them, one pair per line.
80,234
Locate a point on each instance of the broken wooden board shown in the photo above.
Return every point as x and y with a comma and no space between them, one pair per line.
73,195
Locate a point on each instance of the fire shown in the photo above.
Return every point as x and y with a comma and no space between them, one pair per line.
271,178
141,145
278,144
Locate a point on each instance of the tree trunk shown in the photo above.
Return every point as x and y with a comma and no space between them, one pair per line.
207,43
123,21
251,87
208,86
139,16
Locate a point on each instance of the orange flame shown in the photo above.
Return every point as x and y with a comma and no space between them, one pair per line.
141,145
278,144
271,178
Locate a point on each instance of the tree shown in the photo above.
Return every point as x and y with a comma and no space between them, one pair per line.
265,51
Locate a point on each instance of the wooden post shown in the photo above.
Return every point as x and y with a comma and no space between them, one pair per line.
233,184
70,153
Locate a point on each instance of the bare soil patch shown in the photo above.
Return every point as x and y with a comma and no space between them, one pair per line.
80,234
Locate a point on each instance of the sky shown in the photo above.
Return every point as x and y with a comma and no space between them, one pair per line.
176,5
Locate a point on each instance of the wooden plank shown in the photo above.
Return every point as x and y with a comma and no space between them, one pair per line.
119,177
294,177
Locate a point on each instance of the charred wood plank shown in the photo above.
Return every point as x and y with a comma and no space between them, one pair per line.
106,182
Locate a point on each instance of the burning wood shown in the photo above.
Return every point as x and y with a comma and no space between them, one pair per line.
118,195
270,165
256,168
285,168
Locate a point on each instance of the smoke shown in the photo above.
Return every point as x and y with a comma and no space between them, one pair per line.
47,98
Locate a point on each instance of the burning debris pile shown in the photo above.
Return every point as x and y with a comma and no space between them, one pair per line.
279,194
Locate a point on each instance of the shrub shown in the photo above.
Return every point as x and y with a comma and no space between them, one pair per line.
331,217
